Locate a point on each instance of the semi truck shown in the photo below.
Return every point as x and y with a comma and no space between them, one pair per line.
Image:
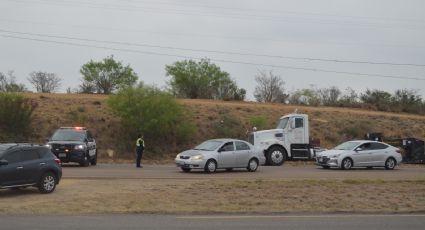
289,140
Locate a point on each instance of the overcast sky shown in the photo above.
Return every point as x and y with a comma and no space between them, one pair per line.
307,42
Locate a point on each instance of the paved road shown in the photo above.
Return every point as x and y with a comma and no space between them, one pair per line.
123,222
287,171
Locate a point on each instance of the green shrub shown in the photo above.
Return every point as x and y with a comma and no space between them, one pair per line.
15,117
152,112
259,122
230,127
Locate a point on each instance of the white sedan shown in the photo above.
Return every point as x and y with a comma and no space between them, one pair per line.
360,153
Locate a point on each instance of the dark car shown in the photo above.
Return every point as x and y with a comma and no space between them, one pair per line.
74,144
25,165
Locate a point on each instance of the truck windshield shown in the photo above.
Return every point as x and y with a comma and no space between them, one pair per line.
350,145
282,123
68,135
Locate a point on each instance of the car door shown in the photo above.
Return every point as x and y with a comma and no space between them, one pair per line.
32,165
11,174
379,154
361,155
226,155
242,154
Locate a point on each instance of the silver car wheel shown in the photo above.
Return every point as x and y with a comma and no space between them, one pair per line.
252,165
277,156
49,183
347,164
390,163
211,166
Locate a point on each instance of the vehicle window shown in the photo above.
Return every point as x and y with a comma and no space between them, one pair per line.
241,145
29,155
365,146
350,145
208,145
228,147
43,152
12,157
69,135
299,122
282,123
378,146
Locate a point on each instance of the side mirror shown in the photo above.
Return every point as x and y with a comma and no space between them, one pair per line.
3,162
358,149
220,150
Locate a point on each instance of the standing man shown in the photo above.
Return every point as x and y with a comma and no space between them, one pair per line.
140,147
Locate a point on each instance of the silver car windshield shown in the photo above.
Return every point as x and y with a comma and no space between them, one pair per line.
282,123
209,145
347,145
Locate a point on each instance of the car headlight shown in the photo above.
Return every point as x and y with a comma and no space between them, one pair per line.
197,157
80,147
48,146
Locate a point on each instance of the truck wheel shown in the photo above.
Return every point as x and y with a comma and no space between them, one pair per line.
276,156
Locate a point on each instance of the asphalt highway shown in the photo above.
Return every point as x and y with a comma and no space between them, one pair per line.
212,222
287,171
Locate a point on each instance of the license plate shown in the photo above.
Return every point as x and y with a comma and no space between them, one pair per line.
62,155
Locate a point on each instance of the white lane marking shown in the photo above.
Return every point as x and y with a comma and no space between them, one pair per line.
298,216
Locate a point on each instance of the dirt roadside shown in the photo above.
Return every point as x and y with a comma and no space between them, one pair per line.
74,196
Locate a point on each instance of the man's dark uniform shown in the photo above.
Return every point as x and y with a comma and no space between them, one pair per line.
140,147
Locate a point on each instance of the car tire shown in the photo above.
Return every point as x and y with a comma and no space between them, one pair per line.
346,164
47,183
210,166
275,156
185,169
86,161
326,167
252,165
390,163
94,160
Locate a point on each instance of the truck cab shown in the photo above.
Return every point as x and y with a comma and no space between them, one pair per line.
290,140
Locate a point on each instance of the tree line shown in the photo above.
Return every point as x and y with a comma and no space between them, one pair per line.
205,80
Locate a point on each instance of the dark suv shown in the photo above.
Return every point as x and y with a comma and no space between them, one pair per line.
24,165
74,144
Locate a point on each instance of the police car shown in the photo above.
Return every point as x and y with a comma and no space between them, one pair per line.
74,144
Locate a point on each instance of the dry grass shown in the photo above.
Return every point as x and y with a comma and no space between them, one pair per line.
331,125
217,196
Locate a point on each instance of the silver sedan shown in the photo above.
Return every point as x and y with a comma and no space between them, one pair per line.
360,153
221,154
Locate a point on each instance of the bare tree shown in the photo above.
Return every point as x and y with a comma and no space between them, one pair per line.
270,88
44,82
8,83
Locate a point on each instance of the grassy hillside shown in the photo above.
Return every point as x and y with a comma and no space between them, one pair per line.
216,119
